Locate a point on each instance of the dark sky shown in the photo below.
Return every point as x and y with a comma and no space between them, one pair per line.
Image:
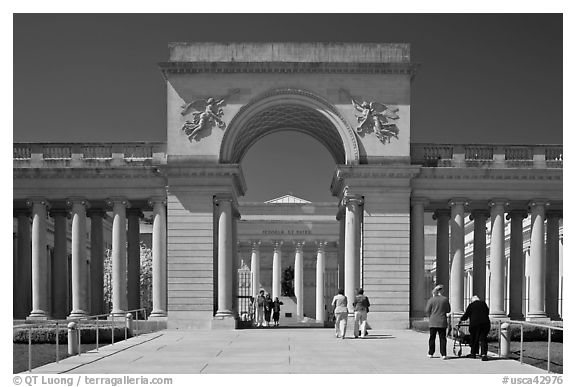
490,78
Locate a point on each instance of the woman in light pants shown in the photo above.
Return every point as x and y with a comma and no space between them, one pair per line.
340,305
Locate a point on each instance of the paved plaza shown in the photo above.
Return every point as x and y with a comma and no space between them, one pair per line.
278,351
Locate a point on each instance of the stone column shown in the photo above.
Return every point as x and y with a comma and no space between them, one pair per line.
23,283
96,261
516,276
133,285
277,269
255,268
79,260
457,255
225,256
536,263
60,265
320,267
352,247
159,287
39,261
479,256
552,263
442,217
341,217
497,259
417,290
235,259
299,279
119,295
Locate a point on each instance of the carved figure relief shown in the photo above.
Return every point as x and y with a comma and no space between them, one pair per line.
205,113
377,117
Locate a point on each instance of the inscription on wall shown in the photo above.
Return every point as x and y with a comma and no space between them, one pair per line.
286,232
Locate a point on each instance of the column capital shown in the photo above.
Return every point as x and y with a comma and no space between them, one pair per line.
255,244
420,200
321,245
37,200
498,202
219,198
352,202
73,202
157,200
277,244
479,213
517,213
299,245
441,212
538,202
458,201
117,200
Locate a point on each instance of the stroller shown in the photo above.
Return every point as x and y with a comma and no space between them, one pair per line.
460,334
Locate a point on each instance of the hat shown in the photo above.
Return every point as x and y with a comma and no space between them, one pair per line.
438,288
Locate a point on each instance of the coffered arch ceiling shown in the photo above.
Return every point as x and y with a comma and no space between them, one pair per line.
289,110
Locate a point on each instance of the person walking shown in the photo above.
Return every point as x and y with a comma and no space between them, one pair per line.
259,308
361,307
268,305
276,311
478,313
340,309
437,309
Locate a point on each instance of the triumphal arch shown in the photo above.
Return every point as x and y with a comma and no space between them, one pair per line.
354,98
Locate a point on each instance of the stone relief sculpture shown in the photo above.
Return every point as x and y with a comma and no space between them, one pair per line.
205,113
376,117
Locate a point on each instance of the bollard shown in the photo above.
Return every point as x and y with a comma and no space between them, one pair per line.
72,339
505,340
129,325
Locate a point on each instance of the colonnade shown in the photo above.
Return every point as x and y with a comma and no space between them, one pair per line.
86,275
298,273
542,265
349,216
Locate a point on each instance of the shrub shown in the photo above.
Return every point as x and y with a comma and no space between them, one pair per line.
531,333
47,334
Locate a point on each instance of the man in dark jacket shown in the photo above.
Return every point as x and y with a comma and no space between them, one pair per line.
437,308
478,313
361,307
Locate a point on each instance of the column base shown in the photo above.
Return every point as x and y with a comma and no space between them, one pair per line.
537,317
223,314
117,314
158,315
76,315
516,316
37,315
499,316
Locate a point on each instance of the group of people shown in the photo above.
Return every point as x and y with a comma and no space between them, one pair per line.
438,309
263,307
361,306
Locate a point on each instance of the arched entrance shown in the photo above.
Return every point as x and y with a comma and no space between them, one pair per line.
272,246
292,109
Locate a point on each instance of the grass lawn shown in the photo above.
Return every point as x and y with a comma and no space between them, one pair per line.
536,354
41,354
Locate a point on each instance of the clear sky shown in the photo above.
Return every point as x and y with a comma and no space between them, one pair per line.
490,78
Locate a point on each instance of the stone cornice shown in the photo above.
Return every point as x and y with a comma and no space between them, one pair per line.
287,67
86,173
490,174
